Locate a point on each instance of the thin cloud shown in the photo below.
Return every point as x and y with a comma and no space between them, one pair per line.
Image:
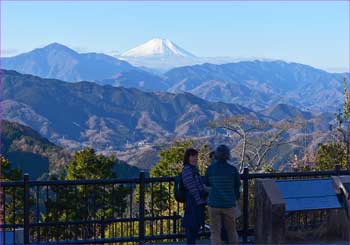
337,69
9,52
80,49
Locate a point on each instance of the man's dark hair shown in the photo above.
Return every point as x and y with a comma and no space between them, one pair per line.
189,152
222,152
212,154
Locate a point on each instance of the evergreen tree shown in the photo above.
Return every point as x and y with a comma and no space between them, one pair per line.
330,154
9,173
11,196
170,162
87,201
86,164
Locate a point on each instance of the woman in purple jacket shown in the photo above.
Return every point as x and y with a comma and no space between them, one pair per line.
196,196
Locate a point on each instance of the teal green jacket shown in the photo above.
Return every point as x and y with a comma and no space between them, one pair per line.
224,182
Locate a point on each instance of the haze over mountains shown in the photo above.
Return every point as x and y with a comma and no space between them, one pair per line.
260,84
254,84
76,100
107,118
161,55
85,113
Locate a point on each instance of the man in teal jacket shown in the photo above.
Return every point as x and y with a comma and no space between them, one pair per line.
224,182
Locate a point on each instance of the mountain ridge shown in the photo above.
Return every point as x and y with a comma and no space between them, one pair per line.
262,84
81,113
30,151
254,84
58,61
107,118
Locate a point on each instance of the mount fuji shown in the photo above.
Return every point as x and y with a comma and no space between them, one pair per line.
158,48
159,54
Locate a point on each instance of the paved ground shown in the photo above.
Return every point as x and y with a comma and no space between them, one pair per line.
316,242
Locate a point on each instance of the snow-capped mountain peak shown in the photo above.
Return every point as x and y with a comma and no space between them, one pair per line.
158,47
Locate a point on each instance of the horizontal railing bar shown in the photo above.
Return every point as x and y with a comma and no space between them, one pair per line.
4,226
69,182
159,179
297,174
307,210
133,182
167,179
82,222
131,239
11,183
104,221
182,235
84,182
92,241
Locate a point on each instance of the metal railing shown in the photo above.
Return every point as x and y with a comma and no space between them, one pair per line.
134,210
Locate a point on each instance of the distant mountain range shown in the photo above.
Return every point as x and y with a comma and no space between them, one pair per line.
254,84
85,113
107,118
162,54
110,105
260,84
137,79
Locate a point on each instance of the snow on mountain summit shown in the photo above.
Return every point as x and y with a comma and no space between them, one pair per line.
157,47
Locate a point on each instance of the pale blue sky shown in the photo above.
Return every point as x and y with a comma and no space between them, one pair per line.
314,33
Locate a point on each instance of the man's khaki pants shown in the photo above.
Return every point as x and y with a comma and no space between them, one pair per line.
226,216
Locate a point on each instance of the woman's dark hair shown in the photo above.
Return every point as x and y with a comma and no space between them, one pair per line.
189,152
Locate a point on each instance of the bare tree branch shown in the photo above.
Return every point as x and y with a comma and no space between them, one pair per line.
257,137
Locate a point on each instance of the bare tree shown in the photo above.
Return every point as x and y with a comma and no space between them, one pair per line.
257,138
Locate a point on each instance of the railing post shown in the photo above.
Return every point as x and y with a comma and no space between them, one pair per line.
174,226
142,208
245,204
103,227
337,169
2,204
26,209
